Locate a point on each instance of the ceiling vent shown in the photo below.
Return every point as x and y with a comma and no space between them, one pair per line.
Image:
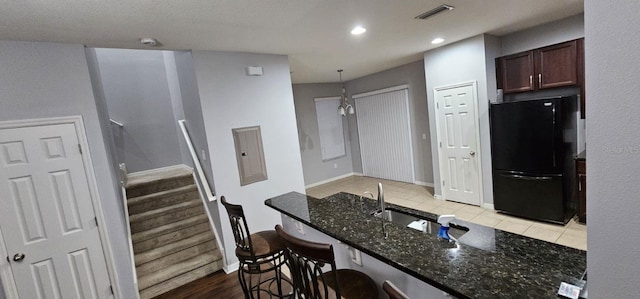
435,11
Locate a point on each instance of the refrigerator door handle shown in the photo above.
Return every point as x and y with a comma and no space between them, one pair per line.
527,178
553,143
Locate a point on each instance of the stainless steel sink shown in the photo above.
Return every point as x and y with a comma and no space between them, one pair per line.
404,219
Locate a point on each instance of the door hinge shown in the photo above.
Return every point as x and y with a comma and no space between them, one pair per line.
8,260
437,105
111,290
96,220
440,143
442,183
80,148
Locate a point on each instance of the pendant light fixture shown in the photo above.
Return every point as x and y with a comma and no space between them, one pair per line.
344,107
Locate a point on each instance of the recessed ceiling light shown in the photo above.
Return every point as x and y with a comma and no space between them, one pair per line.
358,30
437,40
149,41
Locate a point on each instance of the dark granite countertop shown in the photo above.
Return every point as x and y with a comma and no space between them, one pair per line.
484,263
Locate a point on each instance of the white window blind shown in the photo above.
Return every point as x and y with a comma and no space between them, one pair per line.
330,128
385,134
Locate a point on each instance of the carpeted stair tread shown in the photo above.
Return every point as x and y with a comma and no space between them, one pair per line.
177,257
170,248
133,201
167,228
166,218
150,176
180,280
174,236
166,210
159,186
175,270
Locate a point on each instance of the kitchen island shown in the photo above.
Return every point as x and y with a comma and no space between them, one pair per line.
483,263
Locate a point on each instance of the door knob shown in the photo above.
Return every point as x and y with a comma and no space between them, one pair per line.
18,257
472,153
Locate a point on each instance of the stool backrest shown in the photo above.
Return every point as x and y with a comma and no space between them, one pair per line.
392,291
239,226
306,260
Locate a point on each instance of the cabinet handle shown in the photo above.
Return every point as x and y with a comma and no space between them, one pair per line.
539,80
531,81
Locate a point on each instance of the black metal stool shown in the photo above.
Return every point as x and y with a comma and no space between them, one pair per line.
258,254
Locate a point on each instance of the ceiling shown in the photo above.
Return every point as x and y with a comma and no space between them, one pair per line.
314,33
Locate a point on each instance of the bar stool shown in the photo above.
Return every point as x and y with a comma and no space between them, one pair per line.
258,253
306,260
392,291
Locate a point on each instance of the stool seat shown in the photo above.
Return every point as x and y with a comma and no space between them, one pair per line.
265,243
352,284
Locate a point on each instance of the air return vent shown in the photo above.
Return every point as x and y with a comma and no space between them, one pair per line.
435,11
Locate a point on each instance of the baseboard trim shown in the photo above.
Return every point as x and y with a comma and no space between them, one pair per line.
438,197
358,173
488,206
332,179
231,267
420,183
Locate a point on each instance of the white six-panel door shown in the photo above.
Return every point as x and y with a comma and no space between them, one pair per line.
458,143
47,217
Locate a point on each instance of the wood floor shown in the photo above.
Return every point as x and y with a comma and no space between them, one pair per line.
215,285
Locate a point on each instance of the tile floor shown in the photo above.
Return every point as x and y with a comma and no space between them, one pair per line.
421,198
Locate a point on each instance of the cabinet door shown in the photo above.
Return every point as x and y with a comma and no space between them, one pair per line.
517,72
557,65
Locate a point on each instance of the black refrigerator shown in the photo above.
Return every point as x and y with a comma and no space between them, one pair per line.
533,144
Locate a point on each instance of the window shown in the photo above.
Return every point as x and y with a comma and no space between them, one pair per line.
330,128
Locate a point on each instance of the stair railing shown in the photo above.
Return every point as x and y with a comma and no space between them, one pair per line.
123,190
203,187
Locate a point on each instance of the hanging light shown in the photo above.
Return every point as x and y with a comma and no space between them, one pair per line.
344,107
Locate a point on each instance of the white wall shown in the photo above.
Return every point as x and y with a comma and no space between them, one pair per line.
613,147
459,62
40,80
316,170
544,35
230,99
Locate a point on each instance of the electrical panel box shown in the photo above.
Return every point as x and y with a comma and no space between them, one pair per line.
250,155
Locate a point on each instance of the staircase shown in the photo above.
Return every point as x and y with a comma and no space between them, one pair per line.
172,240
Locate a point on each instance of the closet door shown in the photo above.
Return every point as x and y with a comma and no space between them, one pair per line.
385,135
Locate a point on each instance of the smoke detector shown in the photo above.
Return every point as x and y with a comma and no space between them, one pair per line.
149,41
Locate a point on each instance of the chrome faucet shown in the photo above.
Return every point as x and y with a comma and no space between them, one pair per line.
382,211
381,201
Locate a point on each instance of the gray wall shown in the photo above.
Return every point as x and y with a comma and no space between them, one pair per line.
231,99
194,118
411,74
42,80
464,61
137,94
543,35
613,147
316,170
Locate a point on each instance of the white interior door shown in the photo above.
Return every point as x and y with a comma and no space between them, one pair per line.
385,135
47,218
458,143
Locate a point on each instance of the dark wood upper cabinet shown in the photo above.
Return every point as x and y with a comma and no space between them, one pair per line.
557,65
553,66
517,72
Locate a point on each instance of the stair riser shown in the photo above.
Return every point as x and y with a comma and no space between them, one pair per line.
162,201
184,267
165,239
151,255
165,219
171,227
178,281
174,258
159,186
